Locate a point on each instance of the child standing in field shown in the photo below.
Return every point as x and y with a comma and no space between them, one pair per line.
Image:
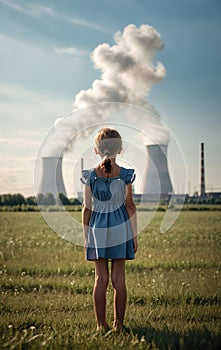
110,228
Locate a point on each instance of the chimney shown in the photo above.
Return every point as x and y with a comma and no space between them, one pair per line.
157,179
51,177
202,182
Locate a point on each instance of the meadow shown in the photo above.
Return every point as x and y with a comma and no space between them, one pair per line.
174,289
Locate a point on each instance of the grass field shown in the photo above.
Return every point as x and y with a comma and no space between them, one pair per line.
174,289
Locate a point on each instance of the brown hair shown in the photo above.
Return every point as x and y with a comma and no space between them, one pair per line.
108,142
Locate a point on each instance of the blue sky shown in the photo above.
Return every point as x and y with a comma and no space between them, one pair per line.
45,61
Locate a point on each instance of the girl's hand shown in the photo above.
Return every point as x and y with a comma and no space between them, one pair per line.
135,244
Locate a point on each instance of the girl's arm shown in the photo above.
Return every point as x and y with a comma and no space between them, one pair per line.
86,211
131,210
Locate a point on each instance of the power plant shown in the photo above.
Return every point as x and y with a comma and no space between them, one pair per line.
157,179
51,177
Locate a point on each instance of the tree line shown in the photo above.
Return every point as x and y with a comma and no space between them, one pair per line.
41,199
48,199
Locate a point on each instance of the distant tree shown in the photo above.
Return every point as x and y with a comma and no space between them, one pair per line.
12,199
45,199
62,199
30,200
49,199
17,199
6,199
40,199
75,201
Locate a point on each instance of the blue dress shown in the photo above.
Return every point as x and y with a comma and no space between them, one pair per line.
109,234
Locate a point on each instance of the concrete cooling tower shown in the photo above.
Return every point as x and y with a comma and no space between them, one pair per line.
157,179
51,177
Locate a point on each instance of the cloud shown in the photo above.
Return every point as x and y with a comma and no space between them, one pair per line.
127,76
29,8
17,142
85,23
18,45
127,70
35,10
16,174
25,112
70,51
24,116
17,180
19,97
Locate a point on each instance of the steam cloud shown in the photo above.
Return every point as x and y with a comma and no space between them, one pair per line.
127,76
127,69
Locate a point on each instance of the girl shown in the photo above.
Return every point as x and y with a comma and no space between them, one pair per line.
110,229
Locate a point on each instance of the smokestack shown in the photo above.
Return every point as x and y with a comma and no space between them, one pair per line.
157,178
51,177
202,182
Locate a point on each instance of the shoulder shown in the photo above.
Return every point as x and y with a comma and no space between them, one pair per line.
128,175
87,176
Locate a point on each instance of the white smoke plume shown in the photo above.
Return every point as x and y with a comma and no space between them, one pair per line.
128,73
127,76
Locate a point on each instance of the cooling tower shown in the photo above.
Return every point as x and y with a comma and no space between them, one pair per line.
51,177
157,178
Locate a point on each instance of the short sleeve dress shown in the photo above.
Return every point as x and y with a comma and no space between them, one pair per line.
109,234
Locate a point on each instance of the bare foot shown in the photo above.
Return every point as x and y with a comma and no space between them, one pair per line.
120,328
103,328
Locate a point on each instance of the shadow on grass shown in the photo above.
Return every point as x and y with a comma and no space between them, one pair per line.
165,339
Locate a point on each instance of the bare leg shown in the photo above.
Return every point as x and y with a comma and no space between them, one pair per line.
100,287
120,291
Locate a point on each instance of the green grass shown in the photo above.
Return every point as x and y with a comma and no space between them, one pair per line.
174,289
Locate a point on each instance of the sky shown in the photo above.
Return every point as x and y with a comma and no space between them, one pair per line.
45,61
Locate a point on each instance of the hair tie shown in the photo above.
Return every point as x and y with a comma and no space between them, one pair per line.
105,157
